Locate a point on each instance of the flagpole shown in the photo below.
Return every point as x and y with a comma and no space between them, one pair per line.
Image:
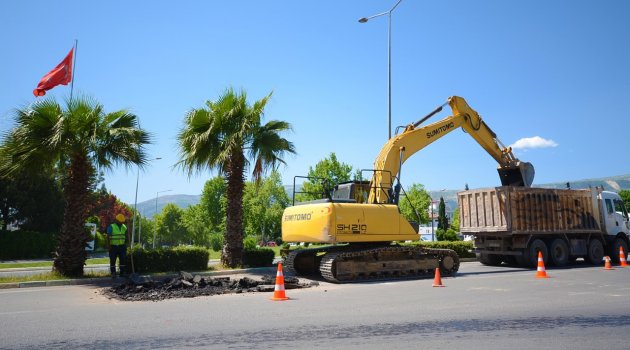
74,65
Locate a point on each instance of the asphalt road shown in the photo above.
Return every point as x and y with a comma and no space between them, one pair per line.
482,308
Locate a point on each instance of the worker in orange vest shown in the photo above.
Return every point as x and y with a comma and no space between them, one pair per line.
117,243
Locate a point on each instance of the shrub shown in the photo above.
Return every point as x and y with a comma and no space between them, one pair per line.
168,259
460,247
101,242
258,257
446,235
26,245
216,242
249,243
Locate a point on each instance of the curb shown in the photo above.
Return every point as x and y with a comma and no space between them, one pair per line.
106,281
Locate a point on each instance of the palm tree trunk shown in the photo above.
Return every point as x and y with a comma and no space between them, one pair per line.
71,255
232,255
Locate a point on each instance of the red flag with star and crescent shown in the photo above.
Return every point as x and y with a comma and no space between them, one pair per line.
60,75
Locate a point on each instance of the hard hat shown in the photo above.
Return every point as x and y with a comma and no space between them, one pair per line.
120,217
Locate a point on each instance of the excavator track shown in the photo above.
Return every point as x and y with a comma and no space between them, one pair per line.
304,261
351,264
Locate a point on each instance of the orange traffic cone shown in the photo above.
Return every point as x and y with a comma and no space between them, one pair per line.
607,265
622,258
278,292
437,281
541,272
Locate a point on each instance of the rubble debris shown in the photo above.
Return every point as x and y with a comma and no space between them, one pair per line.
185,285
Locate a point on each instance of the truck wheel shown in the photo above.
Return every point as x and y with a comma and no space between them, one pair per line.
489,259
559,252
530,255
595,253
614,250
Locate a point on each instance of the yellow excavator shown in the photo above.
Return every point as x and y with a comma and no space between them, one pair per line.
358,221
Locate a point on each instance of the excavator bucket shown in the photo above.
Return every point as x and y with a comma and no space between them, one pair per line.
520,175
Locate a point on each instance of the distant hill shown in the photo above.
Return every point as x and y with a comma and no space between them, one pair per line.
613,183
147,208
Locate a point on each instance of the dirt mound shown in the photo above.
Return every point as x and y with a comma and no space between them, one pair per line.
186,285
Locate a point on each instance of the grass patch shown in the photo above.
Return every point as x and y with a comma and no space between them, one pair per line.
94,261
47,276
54,276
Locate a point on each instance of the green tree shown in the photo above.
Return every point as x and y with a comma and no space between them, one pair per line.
170,226
197,225
329,169
146,229
34,200
442,219
263,205
213,203
227,135
76,139
625,197
446,235
455,220
416,200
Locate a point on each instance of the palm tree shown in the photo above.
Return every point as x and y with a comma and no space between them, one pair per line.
75,141
224,136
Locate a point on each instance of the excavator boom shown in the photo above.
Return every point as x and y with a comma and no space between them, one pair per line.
399,148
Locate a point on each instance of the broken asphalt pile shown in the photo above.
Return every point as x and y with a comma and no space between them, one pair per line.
185,285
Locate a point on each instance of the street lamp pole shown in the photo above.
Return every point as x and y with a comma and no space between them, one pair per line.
135,205
389,62
156,198
432,232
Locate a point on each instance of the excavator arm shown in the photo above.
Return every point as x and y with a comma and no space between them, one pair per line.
399,148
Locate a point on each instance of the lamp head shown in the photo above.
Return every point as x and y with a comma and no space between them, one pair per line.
363,20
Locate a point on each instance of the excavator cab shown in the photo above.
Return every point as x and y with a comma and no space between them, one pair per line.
520,175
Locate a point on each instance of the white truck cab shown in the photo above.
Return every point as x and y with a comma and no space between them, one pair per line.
614,214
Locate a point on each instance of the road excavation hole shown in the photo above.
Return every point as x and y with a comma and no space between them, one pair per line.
186,285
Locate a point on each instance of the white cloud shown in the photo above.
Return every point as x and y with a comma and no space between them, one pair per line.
533,142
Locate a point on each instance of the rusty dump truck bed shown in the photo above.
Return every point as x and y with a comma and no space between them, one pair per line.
521,210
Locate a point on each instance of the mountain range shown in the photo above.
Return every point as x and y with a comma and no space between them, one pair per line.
613,183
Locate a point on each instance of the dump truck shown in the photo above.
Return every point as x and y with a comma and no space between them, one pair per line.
359,220
512,224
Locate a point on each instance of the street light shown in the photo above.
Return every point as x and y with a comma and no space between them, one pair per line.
156,198
432,232
135,204
389,60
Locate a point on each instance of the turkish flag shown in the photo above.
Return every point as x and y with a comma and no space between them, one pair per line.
60,75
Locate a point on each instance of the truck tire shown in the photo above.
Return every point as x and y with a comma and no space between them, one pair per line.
489,259
535,246
595,252
559,252
614,249
530,255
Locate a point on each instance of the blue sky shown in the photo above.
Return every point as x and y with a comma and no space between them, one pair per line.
553,72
